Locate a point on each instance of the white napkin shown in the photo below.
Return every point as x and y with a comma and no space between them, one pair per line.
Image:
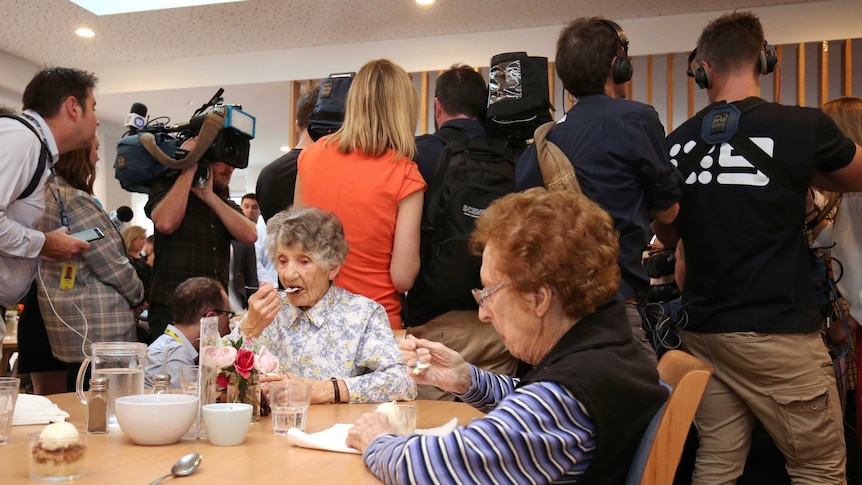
332,439
33,409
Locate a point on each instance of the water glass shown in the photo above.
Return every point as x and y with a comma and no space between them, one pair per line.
190,382
8,397
288,402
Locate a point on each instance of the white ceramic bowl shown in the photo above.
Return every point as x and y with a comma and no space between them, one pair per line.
156,419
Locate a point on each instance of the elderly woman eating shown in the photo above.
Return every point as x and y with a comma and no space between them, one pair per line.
338,341
550,273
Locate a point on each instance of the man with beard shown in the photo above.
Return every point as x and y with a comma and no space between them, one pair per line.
193,233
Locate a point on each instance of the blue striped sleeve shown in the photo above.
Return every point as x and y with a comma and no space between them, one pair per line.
537,434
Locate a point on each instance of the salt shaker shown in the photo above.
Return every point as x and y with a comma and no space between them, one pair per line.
97,406
161,384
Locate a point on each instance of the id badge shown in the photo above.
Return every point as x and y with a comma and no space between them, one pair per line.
67,276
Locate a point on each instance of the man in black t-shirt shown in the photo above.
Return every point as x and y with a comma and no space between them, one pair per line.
750,300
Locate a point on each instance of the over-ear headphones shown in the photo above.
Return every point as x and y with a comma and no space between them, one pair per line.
766,62
622,68
701,78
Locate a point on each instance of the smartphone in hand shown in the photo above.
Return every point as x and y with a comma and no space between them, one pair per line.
89,234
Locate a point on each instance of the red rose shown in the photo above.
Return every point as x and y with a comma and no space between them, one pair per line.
244,363
222,381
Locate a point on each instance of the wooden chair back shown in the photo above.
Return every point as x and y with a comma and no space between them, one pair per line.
687,376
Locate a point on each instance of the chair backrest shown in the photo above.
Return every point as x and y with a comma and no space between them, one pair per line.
661,446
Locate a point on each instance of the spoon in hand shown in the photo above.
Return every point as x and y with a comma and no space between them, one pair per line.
183,467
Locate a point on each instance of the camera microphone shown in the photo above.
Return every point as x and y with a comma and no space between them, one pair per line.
136,119
120,216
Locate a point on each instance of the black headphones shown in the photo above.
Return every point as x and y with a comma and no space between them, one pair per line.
767,61
622,68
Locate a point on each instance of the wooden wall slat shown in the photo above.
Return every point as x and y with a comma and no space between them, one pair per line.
800,75
423,116
776,77
649,79
824,73
295,91
690,88
848,68
669,126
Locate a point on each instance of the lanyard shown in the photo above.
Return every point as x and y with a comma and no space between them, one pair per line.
174,335
64,219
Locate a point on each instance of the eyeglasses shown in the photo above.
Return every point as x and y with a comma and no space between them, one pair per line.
484,293
229,313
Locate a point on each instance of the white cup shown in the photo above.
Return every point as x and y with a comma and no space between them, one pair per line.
226,423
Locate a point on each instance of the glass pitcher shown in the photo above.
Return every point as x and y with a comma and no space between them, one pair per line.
122,364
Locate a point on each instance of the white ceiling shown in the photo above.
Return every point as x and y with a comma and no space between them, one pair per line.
186,47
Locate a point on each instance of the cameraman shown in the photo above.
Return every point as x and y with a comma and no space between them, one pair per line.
193,234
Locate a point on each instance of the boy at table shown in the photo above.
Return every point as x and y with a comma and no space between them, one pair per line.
179,345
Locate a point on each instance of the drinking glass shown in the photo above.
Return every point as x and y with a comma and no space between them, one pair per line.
8,397
190,382
288,402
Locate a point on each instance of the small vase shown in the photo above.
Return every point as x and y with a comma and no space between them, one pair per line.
247,391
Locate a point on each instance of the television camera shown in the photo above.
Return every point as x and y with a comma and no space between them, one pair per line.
151,150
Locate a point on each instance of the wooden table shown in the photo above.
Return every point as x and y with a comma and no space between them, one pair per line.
10,346
263,458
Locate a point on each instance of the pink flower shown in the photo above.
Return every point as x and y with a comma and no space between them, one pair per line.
208,355
244,363
224,356
266,362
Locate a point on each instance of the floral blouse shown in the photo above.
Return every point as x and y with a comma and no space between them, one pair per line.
345,336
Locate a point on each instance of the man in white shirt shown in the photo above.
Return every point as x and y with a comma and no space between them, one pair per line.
59,106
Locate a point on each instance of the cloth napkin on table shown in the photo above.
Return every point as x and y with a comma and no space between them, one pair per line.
33,409
332,439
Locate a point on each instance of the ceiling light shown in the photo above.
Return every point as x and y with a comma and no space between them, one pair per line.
85,32
285,149
424,2
102,7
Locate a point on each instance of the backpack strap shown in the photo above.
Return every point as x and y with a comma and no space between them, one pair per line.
715,116
456,141
43,159
558,173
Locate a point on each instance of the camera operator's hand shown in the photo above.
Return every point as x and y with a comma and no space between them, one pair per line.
206,191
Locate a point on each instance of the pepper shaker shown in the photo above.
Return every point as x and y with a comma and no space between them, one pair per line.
97,406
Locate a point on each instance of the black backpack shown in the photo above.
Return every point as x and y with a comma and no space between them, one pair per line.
328,113
471,173
44,152
518,94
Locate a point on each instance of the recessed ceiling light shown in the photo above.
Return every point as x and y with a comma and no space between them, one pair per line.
85,32
424,2
102,7
285,149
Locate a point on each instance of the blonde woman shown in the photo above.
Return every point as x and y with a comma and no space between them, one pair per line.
364,173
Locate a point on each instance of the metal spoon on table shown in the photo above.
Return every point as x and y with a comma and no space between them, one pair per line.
183,467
